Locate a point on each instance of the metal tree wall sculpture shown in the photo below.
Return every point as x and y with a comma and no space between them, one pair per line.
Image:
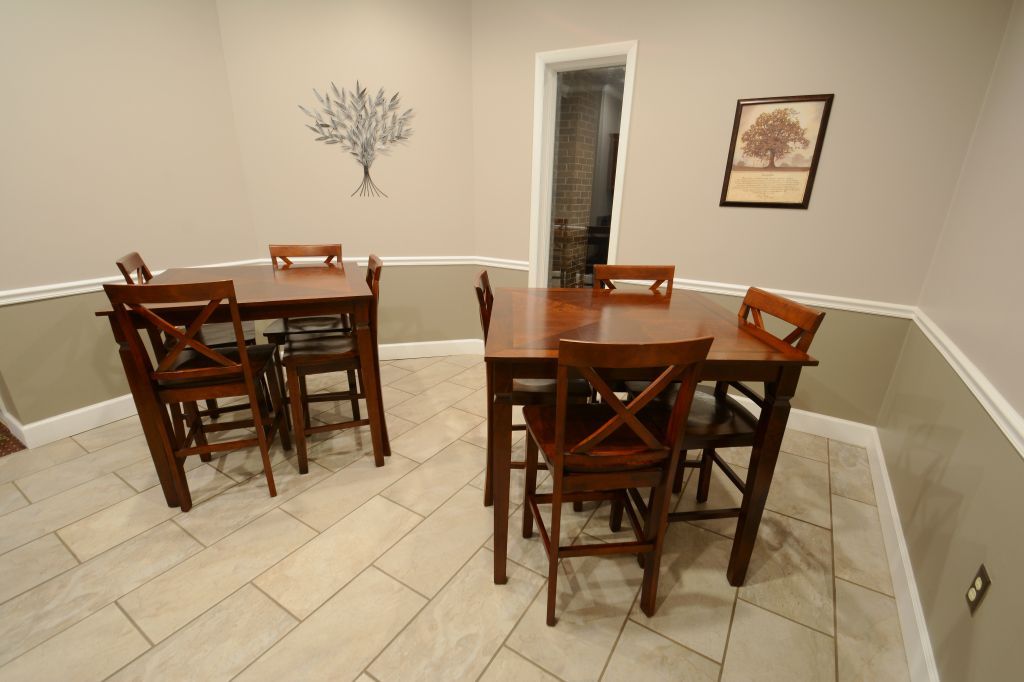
361,125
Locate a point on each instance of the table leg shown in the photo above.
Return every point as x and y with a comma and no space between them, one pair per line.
152,415
501,447
371,383
768,439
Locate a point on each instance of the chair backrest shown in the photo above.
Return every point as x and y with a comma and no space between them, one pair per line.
676,362
485,300
285,252
132,302
374,266
604,275
805,321
134,269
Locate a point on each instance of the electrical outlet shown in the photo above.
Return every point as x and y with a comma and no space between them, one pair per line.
978,589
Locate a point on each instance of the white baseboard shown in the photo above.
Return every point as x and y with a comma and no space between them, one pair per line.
920,657
35,434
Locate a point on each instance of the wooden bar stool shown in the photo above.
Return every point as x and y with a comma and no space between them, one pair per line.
601,450
281,330
188,370
524,391
308,354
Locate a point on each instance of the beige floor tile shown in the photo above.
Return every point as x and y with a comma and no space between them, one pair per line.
800,489
11,499
142,474
738,457
218,644
313,573
26,462
243,464
594,597
421,380
475,377
869,642
89,650
517,485
508,666
416,364
214,519
424,441
36,520
478,436
805,445
168,602
397,426
424,406
430,484
466,360
107,435
766,647
322,505
29,565
859,548
695,599
457,633
393,397
851,472
722,494
95,534
43,611
474,403
432,552
338,449
791,571
642,654
341,638
390,373
49,482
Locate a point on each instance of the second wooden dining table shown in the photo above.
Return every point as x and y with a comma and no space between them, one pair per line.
527,324
264,293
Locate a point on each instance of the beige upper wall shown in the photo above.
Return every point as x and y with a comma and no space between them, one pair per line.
277,52
908,78
973,288
116,134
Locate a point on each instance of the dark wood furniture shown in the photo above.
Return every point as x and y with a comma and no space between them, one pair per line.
281,330
262,294
600,450
309,354
524,391
527,324
605,275
216,334
188,370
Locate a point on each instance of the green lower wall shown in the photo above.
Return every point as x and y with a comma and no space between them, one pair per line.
958,484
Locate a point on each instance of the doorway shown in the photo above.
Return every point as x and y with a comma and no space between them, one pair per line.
581,123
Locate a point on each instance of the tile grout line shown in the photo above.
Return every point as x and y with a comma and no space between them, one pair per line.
68,547
683,646
728,635
141,632
622,628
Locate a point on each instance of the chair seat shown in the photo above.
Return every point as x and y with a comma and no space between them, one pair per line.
278,330
621,451
541,391
220,334
260,358
318,348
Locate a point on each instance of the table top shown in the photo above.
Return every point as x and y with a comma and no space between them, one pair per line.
526,324
262,285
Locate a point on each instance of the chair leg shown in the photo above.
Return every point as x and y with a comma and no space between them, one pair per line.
354,387
704,482
655,532
298,418
280,414
615,519
677,484
257,406
211,405
530,489
577,506
304,393
554,533
279,371
193,420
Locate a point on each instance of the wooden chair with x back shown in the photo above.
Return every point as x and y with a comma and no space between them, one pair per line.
605,275
600,451
187,370
307,354
524,391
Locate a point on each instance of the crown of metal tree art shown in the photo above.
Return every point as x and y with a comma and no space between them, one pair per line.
360,124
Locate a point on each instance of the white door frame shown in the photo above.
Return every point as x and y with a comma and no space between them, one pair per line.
547,67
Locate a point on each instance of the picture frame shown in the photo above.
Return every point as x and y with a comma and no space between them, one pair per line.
774,151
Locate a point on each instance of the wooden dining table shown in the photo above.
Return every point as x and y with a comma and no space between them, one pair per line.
263,293
527,324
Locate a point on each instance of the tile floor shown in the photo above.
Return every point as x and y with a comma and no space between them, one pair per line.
354,572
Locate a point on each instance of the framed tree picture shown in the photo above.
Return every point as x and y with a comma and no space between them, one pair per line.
774,152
